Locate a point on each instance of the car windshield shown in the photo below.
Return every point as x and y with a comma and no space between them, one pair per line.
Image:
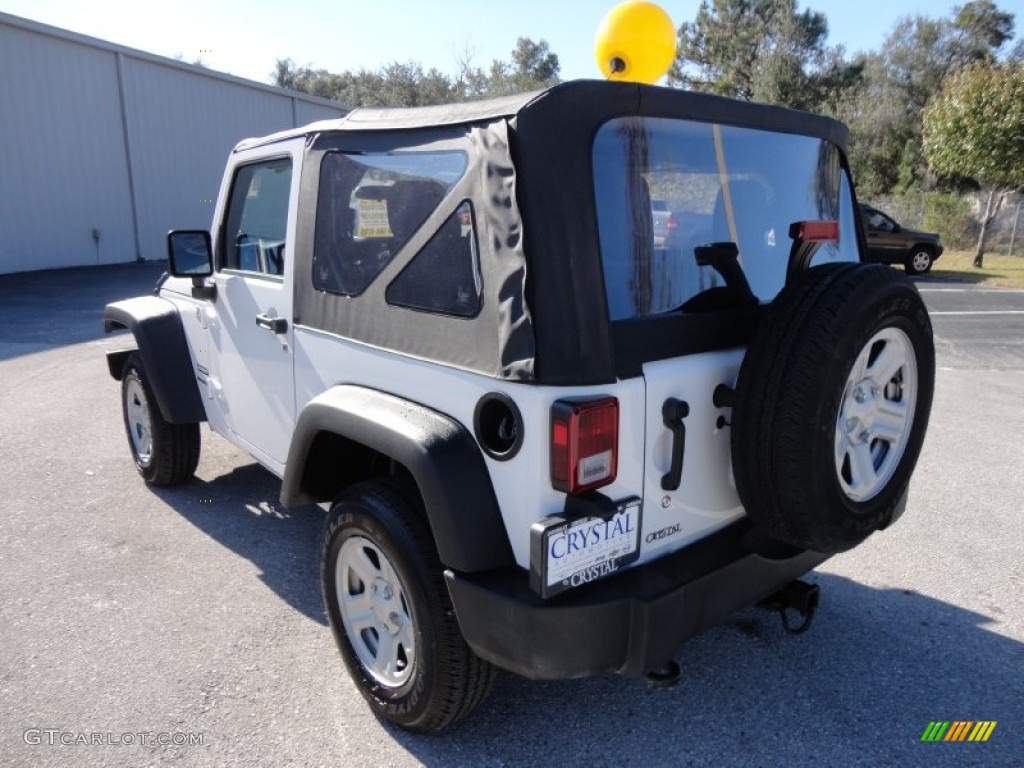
721,183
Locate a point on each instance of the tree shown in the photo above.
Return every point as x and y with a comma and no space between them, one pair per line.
533,66
884,109
974,129
978,30
762,50
1016,55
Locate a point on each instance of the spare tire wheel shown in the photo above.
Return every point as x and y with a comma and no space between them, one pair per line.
832,405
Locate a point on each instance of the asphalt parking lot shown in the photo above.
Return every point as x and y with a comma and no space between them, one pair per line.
195,613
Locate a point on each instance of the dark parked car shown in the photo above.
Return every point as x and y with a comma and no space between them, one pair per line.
890,243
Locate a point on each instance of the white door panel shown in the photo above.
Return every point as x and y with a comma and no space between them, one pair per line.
251,383
254,364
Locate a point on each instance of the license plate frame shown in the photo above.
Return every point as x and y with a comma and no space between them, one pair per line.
567,552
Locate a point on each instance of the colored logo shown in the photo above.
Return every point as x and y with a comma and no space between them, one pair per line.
958,730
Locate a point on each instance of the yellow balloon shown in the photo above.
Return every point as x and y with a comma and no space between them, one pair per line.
635,41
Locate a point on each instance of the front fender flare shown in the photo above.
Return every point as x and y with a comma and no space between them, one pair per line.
160,337
438,451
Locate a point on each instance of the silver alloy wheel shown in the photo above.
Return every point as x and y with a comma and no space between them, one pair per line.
920,261
375,612
140,427
876,414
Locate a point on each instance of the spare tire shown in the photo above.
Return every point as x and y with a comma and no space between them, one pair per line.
832,405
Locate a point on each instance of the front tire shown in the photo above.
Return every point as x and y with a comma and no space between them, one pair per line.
164,453
919,261
391,613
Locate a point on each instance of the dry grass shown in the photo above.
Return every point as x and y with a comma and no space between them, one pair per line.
1000,271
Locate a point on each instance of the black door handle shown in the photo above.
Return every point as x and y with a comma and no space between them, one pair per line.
672,413
275,324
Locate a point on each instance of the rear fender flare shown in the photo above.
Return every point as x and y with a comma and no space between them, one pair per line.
440,454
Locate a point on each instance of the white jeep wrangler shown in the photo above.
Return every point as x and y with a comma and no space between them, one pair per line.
551,441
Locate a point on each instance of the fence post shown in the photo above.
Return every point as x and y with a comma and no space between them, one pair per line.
1013,232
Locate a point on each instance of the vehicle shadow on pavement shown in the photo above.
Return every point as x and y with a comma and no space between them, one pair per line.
859,688
240,510
950,276
59,307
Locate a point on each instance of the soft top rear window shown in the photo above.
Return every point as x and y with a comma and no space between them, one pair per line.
719,183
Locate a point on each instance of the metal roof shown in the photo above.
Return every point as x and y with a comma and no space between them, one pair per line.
105,45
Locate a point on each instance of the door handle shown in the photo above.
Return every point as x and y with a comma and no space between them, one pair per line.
273,324
672,413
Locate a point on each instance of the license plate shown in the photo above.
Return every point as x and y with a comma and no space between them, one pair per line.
567,553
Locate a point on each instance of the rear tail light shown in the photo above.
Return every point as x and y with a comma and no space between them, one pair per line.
671,224
584,444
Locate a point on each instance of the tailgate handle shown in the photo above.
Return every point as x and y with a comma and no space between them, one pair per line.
672,413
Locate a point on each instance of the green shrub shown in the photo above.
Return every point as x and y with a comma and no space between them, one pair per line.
950,215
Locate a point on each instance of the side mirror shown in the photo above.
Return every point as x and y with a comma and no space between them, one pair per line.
896,228
189,253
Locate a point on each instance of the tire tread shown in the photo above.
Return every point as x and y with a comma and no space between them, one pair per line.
463,679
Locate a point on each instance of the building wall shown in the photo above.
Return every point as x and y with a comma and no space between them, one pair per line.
103,149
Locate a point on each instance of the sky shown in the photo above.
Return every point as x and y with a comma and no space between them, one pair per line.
246,38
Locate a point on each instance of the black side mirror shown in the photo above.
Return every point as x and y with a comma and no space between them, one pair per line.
189,253
896,228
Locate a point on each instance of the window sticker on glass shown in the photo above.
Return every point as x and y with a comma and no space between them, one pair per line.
372,219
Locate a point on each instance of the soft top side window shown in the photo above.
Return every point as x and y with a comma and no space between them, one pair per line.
368,207
444,277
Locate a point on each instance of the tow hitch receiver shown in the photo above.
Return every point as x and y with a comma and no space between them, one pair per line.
798,596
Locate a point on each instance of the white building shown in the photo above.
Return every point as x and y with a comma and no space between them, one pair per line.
103,148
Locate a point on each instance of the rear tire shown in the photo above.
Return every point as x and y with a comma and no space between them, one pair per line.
391,613
832,405
919,261
164,453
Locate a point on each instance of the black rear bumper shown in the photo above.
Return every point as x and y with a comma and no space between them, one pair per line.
631,623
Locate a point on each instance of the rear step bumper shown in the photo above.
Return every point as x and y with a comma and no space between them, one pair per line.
631,623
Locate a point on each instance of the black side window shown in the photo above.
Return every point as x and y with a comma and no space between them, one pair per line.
368,207
257,220
444,278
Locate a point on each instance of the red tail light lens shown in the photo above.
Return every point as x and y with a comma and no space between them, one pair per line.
671,223
584,444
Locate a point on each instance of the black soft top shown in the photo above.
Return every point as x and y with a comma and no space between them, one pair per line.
590,102
531,180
